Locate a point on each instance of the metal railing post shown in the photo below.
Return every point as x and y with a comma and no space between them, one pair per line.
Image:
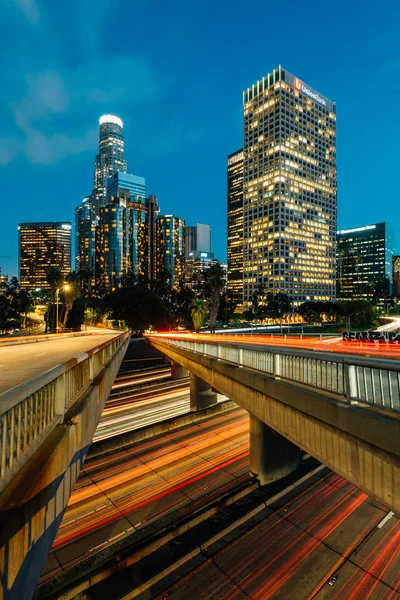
351,383
60,395
277,365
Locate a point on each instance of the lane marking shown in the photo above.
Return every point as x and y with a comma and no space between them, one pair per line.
385,520
41,354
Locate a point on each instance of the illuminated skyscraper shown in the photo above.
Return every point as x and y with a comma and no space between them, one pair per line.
170,242
235,226
289,212
121,240
153,210
365,262
41,246
109,159
396,276
125,181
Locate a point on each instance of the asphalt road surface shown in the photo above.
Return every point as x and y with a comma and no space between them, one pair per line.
22,362
132,488
333,530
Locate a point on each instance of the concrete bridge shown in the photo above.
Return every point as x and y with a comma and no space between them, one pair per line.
52,394
341,408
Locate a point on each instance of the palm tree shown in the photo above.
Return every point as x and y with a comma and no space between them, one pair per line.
198,311
70,292
54,278
216,279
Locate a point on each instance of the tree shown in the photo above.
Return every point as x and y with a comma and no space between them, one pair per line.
215,277
54,278
13,285
278,305
198,311
70,294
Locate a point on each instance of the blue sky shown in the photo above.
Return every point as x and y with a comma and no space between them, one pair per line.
175,71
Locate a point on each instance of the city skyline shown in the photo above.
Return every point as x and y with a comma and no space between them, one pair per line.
53,102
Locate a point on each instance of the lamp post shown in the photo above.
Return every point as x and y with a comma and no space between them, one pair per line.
65,287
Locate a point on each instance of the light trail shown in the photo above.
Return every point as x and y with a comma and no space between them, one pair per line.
376,349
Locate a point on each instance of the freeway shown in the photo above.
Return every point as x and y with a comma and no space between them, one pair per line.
121,493
329,542
140,399
19,363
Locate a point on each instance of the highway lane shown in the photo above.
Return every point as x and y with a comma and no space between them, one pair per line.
22,362
142,398
127,490
332,529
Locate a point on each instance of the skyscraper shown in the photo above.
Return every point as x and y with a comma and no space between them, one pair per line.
125,181
289,213
365,262
109,159
235,226
41,246
121,240
197,238
396,276
170,249
153,210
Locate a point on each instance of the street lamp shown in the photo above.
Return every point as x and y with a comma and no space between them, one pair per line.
64,287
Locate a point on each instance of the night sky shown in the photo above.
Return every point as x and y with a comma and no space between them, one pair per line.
174,71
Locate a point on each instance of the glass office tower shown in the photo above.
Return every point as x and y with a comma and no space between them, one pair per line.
125,181
109,159
235,226
41,246
289,197
365,262
170,232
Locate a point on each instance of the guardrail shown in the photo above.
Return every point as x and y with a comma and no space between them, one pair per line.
354,379
31,410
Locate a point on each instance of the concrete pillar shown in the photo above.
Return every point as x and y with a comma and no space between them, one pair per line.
272,456
177,371
201,394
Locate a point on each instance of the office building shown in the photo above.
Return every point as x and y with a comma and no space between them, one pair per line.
365,262
153,210
170,244
121,240
41,246
235,227
3,280
289,195
197,238
125,181
109,159
396,276
196,265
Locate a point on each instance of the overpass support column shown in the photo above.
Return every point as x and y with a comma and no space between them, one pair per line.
177,371
201,394
272,456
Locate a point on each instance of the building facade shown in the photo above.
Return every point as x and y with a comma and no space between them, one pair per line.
289,195
365,262
41,246
396,276
196,265
153,210
109,159
170,242
235,227
121,240
125,181
197,238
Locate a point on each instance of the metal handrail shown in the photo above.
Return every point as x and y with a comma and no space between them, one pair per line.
354,379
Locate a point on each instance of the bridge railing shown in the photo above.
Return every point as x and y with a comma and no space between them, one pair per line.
354,379
31,410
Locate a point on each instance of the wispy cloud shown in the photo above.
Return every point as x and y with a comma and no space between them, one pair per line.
29,8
